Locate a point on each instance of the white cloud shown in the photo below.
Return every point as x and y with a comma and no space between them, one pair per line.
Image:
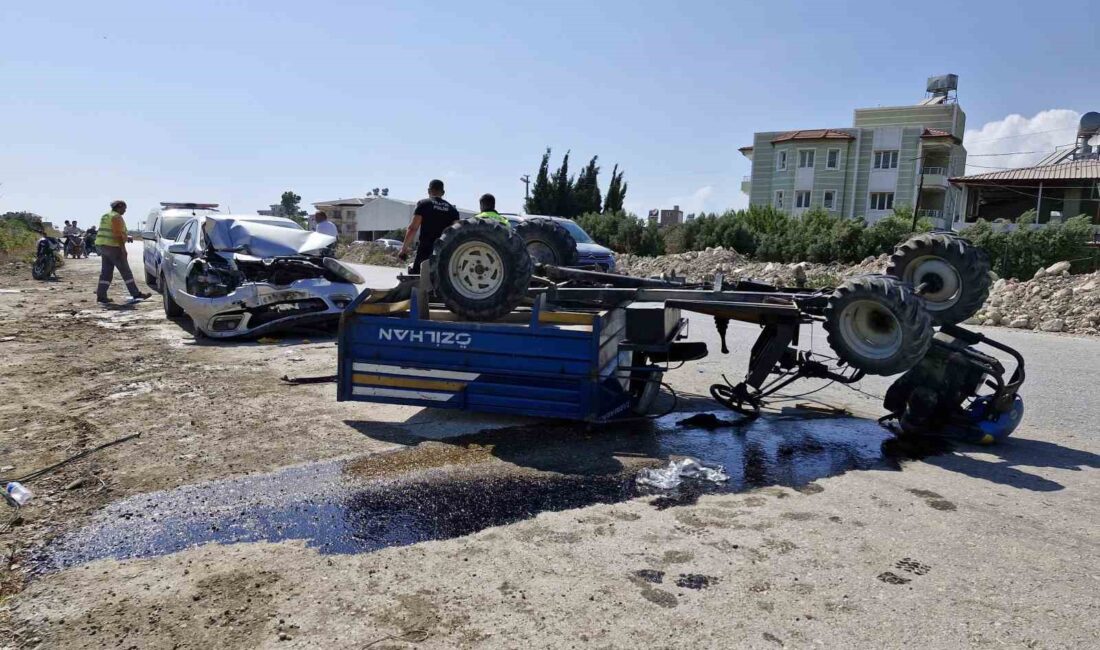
1027,140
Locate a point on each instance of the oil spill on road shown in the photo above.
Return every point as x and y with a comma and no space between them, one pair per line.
522,471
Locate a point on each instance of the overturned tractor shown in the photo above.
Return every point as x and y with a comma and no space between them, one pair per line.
490,278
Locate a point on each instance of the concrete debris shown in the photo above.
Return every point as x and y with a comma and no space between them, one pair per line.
1052,301
696,266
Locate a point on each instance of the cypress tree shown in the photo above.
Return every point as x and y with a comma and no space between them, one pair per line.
541,200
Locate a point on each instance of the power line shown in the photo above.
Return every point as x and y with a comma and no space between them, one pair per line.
1011,153
1020,135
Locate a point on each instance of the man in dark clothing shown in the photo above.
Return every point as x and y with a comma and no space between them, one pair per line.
431,217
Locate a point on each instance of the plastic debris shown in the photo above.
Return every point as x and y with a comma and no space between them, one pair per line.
669,478
17,494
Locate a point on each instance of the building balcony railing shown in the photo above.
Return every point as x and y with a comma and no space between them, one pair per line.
931,214
746,184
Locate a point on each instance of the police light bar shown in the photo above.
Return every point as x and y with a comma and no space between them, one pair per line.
188,206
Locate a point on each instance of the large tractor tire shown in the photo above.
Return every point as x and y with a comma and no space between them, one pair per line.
954,272
876,324
548,242
480,269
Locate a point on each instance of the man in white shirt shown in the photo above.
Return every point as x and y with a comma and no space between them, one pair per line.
322,225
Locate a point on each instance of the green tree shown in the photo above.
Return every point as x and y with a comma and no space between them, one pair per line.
586,191
289,206
616,192
541,200
562,185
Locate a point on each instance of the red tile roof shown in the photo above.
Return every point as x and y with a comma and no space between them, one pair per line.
814,134
935,133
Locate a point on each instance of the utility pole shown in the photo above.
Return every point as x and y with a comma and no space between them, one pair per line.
920,186
526,179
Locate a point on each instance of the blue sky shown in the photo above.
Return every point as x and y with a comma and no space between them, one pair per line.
236,101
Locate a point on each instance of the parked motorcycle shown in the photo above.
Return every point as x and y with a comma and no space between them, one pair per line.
89,243
74,246
48,257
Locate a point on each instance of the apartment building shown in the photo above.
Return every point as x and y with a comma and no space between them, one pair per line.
890,157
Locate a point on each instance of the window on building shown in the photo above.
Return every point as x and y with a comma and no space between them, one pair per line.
828,200
806,159
779,199
832,159
780,161
802,199
882,201
886,159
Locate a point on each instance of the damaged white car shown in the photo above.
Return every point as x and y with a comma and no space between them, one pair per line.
244,275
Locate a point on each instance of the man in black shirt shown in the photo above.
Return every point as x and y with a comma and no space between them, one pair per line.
431,217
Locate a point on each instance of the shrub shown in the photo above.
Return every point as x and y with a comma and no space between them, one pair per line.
1022,252
18,233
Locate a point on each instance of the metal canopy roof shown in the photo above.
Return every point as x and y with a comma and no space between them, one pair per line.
1068,171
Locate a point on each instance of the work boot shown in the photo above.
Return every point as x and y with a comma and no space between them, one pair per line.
105,301
142,296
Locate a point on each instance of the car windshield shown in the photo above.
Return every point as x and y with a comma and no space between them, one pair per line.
170,226
580,235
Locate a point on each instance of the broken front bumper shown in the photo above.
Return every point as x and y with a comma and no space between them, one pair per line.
258,307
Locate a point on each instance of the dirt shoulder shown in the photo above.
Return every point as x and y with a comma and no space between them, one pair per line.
978,547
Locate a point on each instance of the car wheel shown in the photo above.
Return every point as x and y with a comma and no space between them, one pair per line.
171,309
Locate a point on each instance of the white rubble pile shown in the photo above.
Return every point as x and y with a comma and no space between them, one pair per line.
695,266
1052,301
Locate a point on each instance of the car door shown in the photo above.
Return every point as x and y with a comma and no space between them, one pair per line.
149,247
175,264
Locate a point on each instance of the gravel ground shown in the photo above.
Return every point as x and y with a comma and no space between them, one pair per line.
976,547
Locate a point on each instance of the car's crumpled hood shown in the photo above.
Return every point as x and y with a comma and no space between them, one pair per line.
263,240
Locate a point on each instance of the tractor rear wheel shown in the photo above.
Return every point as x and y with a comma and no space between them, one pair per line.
953,274
878,325
548,242
480,269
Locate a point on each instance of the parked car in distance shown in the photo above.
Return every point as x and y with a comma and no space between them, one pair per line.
390,244
160,231
244,275
589,253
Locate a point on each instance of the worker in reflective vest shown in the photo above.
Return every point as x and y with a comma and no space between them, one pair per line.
111,242
488,205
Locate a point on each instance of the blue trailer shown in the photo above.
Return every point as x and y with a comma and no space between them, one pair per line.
556,364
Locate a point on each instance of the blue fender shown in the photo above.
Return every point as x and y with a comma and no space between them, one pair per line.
987,432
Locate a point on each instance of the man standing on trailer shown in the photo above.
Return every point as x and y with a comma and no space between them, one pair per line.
431,217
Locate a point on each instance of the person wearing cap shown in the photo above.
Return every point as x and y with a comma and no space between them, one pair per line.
431,217
111,242
488,205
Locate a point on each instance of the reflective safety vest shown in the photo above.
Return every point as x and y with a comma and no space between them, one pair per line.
493,215
106,235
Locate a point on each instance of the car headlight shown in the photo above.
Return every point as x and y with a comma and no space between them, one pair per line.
342,271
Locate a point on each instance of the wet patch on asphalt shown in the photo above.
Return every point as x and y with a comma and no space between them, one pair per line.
458,486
